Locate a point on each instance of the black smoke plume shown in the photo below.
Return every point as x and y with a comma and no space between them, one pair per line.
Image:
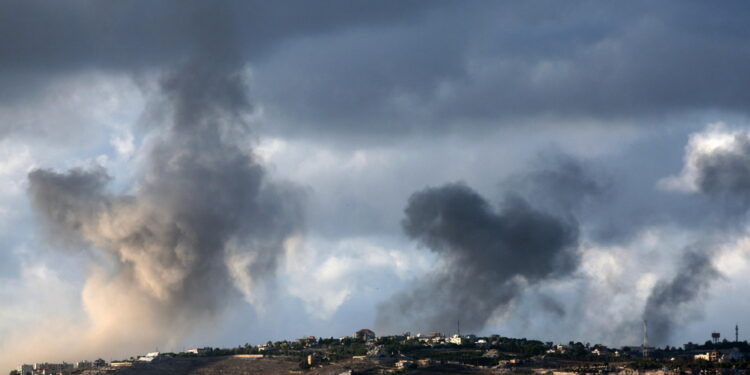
489,257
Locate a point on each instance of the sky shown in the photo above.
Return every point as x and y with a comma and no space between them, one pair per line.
189,173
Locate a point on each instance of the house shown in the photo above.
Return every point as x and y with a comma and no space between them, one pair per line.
198,350
150,357
364,334
712,356
25,369
456,339
121,364
601,351
308,341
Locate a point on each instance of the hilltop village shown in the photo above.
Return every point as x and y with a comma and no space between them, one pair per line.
434,353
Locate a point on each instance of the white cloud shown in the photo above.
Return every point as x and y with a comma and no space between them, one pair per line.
324,274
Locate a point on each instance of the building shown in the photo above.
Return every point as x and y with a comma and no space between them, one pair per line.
308,341
364,334
712,356
25,369
601,352
121,364
51,367
456,339
150,357
198,350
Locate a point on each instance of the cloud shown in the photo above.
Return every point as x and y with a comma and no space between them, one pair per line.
327,274
361,68
508,64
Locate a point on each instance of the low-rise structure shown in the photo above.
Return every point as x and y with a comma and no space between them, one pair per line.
364,334
198,350
150,357
308,341
25,369
712,356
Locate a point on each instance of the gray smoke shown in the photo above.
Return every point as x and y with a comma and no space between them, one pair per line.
671,300
489,257
725,174
204,217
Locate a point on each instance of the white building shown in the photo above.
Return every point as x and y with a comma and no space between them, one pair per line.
198,350
150,357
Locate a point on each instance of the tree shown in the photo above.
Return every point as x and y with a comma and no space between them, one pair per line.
14,372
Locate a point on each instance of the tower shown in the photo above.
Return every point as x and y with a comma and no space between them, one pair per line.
644,349
736,333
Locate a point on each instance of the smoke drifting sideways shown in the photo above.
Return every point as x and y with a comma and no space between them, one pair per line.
670,299
203,221
489,256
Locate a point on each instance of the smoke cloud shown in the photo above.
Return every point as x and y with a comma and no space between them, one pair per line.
669,300
203,221
717,164
489,257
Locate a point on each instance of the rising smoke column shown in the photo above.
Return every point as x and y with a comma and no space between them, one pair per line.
716,166
669,299
489,257
204,217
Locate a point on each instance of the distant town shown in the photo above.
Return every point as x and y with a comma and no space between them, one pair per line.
366,353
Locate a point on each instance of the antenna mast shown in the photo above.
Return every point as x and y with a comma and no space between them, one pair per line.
645,339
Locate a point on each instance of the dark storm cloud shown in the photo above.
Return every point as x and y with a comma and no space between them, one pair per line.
43,36
389,67
204,215
500,63
670,299
490,256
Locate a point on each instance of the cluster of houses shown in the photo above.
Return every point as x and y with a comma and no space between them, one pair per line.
722,355
377,352
57,368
